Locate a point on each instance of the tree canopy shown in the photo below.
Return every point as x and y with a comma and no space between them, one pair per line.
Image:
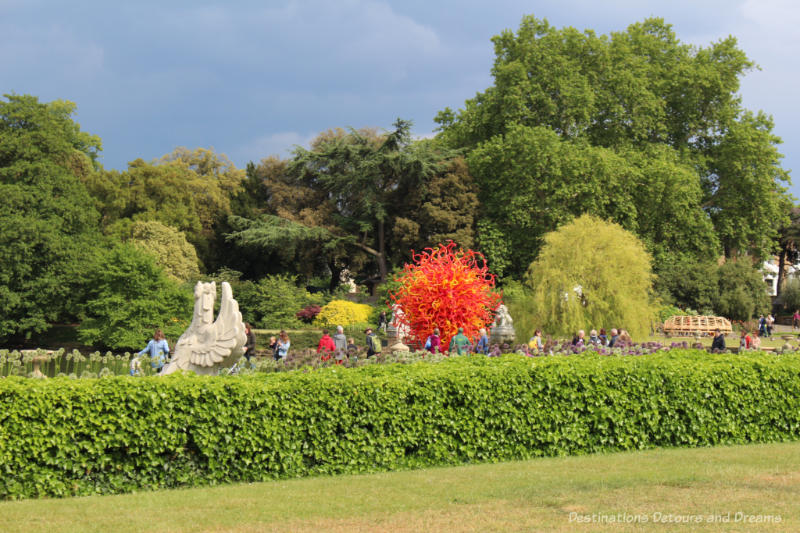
635,127
591,274
48,225
341,197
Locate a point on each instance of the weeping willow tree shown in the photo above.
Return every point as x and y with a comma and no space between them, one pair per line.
591,274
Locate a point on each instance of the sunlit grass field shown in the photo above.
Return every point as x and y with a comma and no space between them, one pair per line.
759,482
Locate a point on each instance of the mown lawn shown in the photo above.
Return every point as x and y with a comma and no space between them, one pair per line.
538,495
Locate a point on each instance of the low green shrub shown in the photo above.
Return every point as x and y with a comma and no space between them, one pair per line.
64,437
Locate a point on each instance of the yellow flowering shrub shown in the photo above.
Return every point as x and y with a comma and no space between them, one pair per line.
342,313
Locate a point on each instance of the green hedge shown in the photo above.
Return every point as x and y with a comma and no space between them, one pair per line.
63,437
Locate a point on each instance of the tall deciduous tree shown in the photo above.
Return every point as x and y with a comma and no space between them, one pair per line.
636,127
789,242
47,220
187,190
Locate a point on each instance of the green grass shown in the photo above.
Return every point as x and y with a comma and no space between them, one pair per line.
536,495
731,341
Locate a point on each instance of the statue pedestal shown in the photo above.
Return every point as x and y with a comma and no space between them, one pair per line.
502,335
393,342
503,327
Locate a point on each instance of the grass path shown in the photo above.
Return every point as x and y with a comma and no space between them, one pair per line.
536,495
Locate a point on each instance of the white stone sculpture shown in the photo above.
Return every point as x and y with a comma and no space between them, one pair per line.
397,328
396,331
207,346
503,327
502,318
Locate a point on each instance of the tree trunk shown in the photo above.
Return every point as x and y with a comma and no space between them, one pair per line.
382,252
781,271
336,273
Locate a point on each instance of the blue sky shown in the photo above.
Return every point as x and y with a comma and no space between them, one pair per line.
255,78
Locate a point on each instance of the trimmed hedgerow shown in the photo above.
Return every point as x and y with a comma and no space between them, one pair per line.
65,437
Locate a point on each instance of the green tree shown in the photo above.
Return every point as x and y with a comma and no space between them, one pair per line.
635,127
338,199
273,301
742,293
362,178
172,252
131,297
592,273
789,246
48,226
187,190
443,207
689,284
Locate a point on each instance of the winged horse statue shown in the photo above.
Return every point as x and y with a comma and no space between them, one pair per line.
208,345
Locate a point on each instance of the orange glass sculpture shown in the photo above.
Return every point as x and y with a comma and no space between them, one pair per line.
447,288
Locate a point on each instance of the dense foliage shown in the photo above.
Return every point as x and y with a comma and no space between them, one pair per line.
66,437
129,298
592,274
635,127
343,313
273,301
48,225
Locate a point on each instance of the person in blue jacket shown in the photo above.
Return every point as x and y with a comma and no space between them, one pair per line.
157,349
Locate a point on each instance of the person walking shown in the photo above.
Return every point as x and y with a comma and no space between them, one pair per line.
373,343
578,340
157,349
340,343
603,337
755,344
250,345
382,323
273,345
434,341
770,324
762,325
535,343
745,341
614,338
796,320
718,344
459,343
282,346
594,340
326,346
483,342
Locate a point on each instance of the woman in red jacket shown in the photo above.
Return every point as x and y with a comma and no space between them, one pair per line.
326,346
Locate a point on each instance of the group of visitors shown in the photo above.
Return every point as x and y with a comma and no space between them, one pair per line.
337,346
746,340
765,325
600,338
459,344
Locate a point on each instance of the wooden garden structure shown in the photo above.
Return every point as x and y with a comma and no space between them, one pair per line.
694,325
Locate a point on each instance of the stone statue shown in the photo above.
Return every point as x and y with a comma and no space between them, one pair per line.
207,346
503,327
396,332
395,328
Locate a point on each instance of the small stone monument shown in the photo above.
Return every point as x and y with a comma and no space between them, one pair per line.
502,327
207,346
396,331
